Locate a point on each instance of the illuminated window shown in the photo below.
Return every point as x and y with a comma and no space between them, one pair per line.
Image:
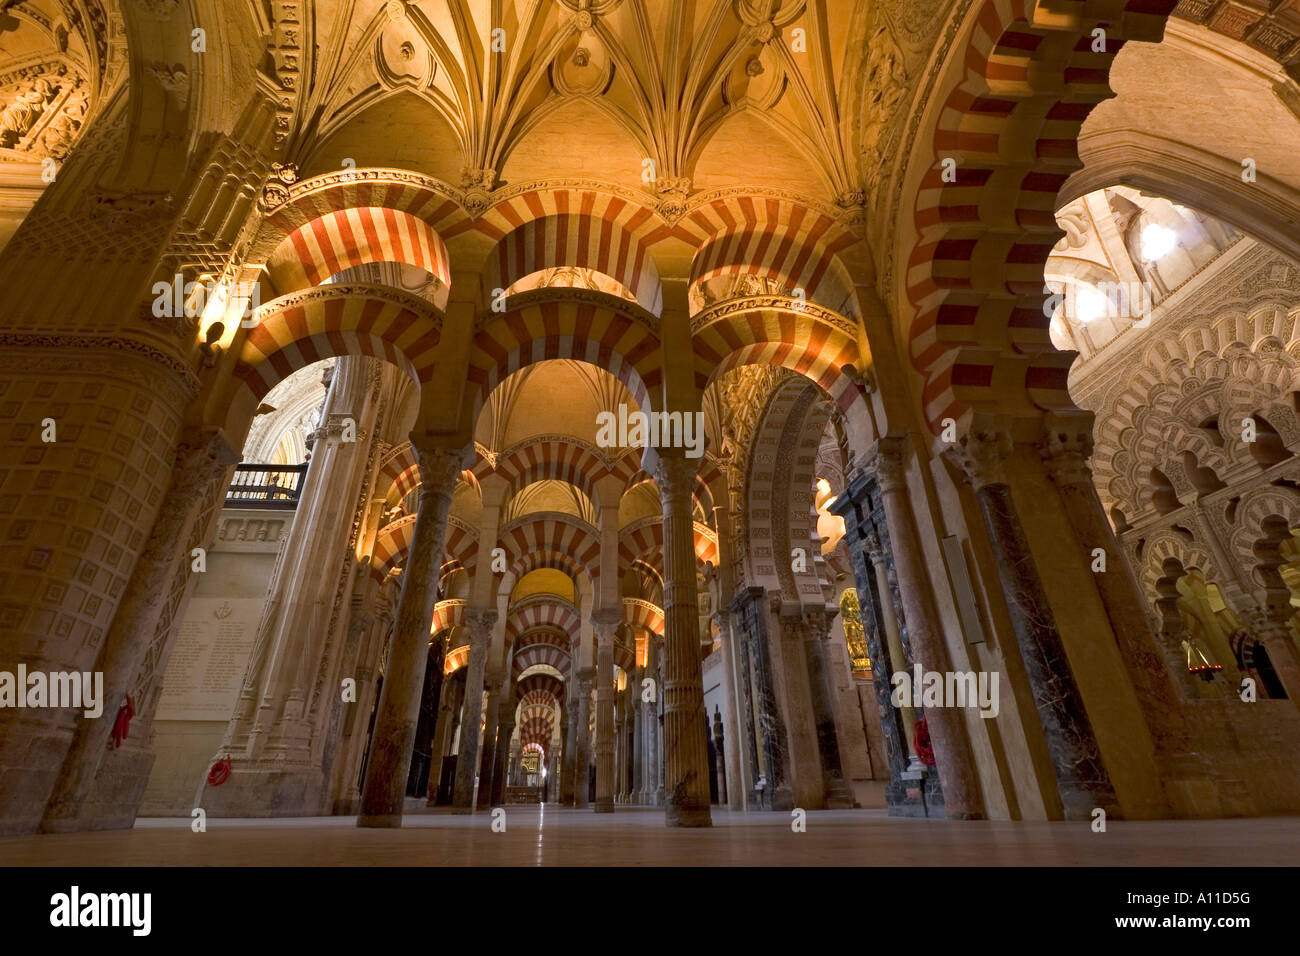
1157,242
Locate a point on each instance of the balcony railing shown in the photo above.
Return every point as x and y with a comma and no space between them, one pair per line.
266,486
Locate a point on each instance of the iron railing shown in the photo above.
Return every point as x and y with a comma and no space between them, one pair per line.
266,486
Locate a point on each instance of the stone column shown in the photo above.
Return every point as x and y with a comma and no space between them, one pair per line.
569,767
719,742
605,629
750,613
1272,631
893,642
487,757
501,754
479,621
1066,449
686,756
384,793
814,627
740,773
653,756
582,748
954,761
1082,779
201,458
637,717
453,697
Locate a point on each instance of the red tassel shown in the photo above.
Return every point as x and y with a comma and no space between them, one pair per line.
924,752
220,771
122,725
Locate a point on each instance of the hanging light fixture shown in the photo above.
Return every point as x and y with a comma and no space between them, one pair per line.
1198,664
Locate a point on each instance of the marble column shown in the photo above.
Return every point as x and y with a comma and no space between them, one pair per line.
582,746
1082,780
453,698
492,683
749,611
201,458
686,756
740,773
605,628
568,768
653,728
1066,449
479,621
720,742
1272,631
637,717
384,793
501,754
814,627
954,760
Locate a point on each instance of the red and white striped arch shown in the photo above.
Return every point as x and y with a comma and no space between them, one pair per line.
1011,117
591,327
392,544
298,330
584,241
551,459
448,613
420,197
537,689
346,238
399,473
643,541
641,613
806,343
544,612
532,655
551,540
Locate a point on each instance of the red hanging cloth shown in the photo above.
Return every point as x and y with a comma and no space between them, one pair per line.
122,725
924,752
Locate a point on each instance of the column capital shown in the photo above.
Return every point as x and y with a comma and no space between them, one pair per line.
887,463
585,677
440,466
983,452
203,454
675,474
606,621
1067,446
480,621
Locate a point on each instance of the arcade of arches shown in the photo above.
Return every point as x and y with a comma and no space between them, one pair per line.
975,325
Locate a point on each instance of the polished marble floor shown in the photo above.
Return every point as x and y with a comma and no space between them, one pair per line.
637,837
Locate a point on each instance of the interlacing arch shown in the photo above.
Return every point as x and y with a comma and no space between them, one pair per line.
1254,519
303,328
579,324
1010,121
1167,544
1191,396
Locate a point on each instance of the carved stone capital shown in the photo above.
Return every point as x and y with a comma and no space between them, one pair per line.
1067,447
606,622
202,456
886,462
439,466
480,621
675,476
275,191
983,452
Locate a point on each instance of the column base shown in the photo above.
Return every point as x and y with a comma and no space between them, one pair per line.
687,817
604,806
380,820
264,792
